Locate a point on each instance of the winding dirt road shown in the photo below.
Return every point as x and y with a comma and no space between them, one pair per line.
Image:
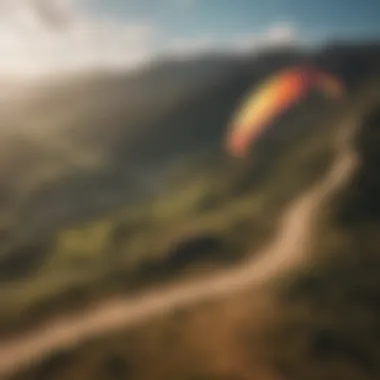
286,251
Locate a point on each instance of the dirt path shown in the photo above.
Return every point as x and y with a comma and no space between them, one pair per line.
283,253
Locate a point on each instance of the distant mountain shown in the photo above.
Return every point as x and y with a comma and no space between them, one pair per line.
78,148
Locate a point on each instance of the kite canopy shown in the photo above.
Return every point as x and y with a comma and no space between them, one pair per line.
272,98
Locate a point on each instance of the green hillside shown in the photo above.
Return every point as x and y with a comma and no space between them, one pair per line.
322,321
170,206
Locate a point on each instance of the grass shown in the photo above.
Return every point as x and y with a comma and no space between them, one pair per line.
137,247
321,322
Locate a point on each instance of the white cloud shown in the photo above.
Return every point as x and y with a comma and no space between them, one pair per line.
29,46
276,35
281,33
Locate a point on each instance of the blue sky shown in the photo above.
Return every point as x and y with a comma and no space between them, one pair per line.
123,33
315,19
